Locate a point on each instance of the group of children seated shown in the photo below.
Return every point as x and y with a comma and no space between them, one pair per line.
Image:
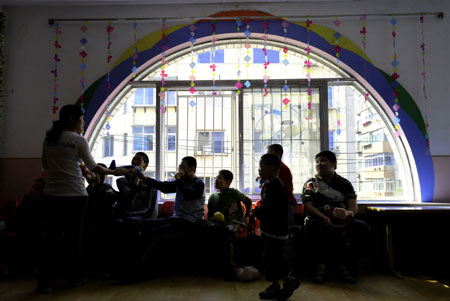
124,225
137,231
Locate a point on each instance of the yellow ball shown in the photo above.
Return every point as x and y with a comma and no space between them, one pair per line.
219,217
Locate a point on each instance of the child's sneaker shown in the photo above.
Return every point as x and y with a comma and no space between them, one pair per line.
272,292
289,286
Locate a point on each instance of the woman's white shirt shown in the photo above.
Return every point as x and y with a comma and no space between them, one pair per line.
62,160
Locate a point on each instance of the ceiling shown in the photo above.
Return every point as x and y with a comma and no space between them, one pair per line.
143,2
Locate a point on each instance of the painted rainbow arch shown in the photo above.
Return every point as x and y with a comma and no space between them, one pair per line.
321,39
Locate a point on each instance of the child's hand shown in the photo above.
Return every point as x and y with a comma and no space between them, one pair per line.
179,174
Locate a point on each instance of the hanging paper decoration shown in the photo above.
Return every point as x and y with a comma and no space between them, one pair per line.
213,65
109,30
164,47
266,62
238,24
54,71
83,55
424,87
238,84
395,76
135,55
286,99
363,32
247,57
337,49
192,28
308,68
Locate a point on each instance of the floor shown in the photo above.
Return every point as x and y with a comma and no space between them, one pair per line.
370,286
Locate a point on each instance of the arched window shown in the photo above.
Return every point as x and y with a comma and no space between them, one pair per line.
225,129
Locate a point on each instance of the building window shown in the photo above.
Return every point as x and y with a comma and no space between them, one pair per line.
207,57
143,138
331,103
331,140
171,138
108,146
171,98
210,143
125,144
144,97
209,184
389,159
259,57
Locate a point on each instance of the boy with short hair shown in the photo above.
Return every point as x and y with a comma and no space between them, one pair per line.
137,198
226,218
227,201
188,209
273,214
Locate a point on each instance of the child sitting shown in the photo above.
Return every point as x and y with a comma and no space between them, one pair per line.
226,217
137,198
227,201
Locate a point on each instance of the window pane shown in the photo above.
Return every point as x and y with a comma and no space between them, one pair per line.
365,147
149,96
267,120
139,97
219,143
273,56
108,146
204,58
171,98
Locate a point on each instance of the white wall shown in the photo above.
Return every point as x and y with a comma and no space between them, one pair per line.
29,53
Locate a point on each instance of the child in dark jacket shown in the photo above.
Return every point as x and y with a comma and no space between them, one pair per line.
273,214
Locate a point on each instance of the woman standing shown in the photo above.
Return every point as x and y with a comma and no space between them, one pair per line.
65,195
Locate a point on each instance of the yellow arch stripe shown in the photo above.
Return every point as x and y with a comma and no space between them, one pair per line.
146,42
328,35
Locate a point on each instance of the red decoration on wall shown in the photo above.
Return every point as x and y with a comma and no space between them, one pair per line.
83,66
56,58
109,30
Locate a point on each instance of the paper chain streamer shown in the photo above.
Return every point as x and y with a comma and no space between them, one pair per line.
83,66
338,49
308,68
238,84
285,100
363,32
424,87
192,28
213,66
266,62
54,71
164,47
395,76
109,30
135,55
247,58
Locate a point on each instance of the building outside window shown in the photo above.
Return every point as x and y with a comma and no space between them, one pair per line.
273,57
171,138
143,138
209,56
209,142
108,149
144,97
125,144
